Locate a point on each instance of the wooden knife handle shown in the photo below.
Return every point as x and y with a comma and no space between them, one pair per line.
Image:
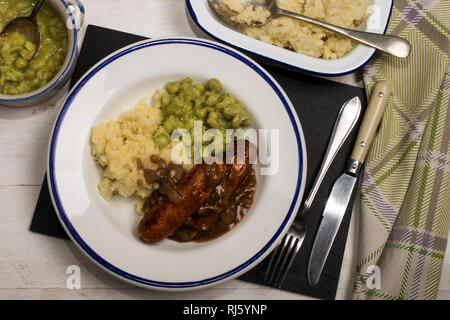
378,101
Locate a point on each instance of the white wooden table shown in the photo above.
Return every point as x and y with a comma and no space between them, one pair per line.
33,266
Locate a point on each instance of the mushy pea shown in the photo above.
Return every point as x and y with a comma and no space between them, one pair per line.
20,72
184,102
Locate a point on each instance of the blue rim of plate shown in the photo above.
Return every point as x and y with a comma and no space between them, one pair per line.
194,17
56,81
54,138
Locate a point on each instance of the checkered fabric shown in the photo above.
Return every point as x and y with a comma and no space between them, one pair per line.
405,188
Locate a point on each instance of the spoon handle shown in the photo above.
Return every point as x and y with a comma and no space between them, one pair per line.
396,46
36,9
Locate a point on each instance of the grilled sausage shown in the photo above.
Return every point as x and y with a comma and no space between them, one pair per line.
237,169
210,212
162,219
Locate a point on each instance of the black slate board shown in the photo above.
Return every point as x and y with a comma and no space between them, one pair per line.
317,102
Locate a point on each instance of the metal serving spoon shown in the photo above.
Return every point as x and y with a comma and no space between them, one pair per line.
396,46
27,26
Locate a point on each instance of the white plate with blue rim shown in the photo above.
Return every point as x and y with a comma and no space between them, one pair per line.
379,12
106,231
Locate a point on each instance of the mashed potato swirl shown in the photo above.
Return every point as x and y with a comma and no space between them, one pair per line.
123,147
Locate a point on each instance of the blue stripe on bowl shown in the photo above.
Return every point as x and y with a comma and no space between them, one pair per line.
194,17
54,139
72,56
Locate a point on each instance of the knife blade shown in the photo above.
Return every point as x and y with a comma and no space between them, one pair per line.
341,193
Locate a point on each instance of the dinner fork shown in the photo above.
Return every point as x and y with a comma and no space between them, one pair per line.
284,255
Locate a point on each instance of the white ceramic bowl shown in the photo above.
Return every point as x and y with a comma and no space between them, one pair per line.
379,14
106,231
71,11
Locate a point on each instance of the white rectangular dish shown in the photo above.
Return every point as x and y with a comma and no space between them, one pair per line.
379,12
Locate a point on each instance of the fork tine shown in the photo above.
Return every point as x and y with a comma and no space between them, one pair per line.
298,244
276,256
272,259
281,268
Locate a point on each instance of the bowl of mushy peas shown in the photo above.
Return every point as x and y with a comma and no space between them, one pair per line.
28,78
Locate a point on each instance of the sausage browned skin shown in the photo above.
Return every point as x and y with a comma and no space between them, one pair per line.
237,169
209,212
164,218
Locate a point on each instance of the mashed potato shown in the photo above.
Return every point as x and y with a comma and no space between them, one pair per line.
303,37
124,146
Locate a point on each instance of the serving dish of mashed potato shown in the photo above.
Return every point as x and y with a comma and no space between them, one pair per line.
300,36
297,44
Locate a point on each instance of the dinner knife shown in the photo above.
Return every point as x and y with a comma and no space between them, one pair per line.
342,190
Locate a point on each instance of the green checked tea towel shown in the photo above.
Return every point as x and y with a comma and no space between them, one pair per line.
405,188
